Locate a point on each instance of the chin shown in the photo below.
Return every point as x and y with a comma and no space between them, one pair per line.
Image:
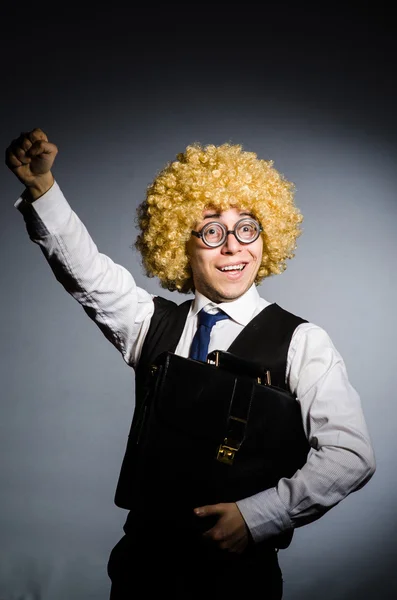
230,295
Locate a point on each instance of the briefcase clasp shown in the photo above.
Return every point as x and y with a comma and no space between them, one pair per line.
227,452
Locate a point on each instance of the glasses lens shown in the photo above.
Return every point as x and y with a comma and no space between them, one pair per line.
213,234
247,230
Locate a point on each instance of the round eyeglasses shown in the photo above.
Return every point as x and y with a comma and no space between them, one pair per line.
214,234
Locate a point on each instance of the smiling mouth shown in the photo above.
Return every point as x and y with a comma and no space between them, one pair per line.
233,268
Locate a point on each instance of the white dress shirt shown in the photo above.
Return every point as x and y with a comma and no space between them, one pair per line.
341,459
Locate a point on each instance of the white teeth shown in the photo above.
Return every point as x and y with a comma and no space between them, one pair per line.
233,268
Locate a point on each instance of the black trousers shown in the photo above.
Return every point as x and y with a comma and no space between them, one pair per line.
146,564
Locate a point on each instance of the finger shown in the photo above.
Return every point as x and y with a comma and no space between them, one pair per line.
41,147
236,547
13,161
22,156
200,511
16,156
37,134
26,140
18,147
227,540
23,141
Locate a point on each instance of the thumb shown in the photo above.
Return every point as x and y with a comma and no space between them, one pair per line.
41,147
205,511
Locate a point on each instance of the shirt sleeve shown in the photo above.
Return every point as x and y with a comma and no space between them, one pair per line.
106,290
341,459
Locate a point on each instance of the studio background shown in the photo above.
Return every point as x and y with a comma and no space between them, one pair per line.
121,94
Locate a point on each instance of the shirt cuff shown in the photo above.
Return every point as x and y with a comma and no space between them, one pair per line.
265,515
51,208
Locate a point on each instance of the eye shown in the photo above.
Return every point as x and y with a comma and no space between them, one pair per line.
213,229
213,234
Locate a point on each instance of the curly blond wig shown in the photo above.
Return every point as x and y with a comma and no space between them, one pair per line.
215,177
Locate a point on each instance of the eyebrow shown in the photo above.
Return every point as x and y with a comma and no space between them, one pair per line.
218,214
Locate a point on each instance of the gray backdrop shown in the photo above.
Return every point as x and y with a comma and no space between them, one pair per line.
120,95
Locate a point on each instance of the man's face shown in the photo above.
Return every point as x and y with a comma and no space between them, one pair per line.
208,264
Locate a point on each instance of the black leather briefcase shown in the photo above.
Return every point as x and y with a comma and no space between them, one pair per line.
213,432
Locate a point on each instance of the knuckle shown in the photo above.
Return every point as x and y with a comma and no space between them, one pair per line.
37,146
37,134
218,535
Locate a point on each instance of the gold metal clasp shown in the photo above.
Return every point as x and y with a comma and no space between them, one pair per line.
227,450
226,453
268,379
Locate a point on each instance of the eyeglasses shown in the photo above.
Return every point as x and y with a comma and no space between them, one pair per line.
214,234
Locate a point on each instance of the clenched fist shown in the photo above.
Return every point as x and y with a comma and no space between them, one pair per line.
30,157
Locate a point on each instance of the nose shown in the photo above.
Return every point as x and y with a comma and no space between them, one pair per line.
231,244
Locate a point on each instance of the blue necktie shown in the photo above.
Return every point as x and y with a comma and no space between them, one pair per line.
201,340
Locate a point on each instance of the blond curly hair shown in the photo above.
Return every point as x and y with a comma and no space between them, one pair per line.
215,177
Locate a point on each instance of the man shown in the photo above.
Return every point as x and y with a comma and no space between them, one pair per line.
216,221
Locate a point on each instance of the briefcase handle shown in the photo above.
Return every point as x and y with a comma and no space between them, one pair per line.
239,366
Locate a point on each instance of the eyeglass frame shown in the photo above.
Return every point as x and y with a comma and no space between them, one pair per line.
199,234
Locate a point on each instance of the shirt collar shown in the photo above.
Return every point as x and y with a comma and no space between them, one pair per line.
240,310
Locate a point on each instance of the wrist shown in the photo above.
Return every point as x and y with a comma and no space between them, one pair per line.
39,187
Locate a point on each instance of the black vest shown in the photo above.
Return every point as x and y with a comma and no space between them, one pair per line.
265,340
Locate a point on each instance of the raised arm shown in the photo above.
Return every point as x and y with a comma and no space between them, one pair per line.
107,291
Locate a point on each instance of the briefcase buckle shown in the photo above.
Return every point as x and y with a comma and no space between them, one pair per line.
226,452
